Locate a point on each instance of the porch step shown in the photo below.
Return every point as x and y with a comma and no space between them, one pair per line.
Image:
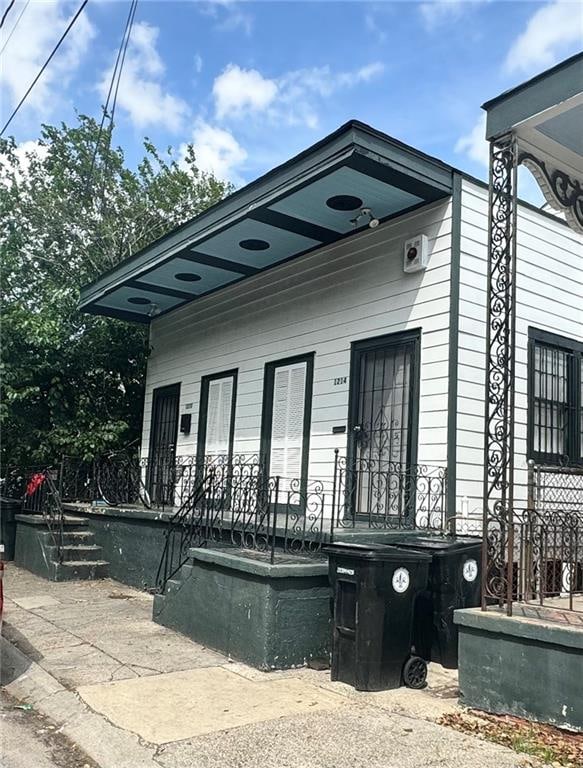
83,552
68,521
82,569
77,538
80,557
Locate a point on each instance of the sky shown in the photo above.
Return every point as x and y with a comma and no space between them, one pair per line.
250,84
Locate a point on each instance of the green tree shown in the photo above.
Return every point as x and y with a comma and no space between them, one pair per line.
69,210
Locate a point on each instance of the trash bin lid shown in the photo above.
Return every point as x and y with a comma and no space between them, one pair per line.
378,552
437,545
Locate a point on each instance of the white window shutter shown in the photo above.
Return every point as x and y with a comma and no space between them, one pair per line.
218,420
287,425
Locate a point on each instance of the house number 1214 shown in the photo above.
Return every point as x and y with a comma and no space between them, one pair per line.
340,380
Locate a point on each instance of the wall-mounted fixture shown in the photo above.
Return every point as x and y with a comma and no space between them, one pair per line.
185,422
416,254
365,213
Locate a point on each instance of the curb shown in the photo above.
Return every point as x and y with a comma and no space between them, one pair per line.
105,743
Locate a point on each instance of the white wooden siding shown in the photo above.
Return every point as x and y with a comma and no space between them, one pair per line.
549,296
318,303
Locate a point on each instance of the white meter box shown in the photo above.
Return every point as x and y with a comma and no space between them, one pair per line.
416,254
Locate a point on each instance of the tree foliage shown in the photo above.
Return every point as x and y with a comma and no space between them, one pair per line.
69,210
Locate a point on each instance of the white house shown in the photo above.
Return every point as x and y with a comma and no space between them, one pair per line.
339,302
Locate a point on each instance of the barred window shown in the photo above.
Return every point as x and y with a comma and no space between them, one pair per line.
555,412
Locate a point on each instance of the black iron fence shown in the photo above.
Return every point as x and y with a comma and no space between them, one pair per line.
545,541
233,501
389,495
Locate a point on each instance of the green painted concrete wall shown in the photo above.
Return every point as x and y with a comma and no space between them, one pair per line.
510,665
132,545
32,549
269,616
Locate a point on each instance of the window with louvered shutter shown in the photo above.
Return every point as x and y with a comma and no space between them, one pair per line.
219,413
287,423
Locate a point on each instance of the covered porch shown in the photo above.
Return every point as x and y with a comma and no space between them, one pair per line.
522,653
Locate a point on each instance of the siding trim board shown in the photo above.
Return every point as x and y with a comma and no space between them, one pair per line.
454,322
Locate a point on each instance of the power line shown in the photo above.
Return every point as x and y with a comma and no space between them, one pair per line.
116,75
45,65
123,57
6,12
24,7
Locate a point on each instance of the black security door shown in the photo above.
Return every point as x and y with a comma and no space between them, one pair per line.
162,457
384,416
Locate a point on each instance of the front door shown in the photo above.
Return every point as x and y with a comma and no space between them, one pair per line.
161,476
383,427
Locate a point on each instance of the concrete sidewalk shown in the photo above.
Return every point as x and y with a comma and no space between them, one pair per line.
134,694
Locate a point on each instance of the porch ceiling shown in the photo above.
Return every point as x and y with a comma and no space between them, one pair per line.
545,115
307,202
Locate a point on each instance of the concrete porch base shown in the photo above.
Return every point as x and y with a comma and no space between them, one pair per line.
270,616
36,550
522,666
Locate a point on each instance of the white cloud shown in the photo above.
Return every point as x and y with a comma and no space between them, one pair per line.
437,11
293,98
474,143
372,25
217,151
197,63
142,92
237,91
229,15
29,47
550,30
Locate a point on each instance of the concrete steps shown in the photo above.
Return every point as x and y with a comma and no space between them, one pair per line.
80,557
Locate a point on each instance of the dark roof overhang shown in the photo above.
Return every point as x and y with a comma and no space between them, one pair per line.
306,203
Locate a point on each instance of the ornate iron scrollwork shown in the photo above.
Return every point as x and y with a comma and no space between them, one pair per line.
559,189
499,396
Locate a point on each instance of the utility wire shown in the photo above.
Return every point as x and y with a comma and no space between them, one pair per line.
116,74
114,102
45,65
6,12
123,57
24,7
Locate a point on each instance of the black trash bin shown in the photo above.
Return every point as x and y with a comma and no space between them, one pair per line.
9,508
374,589
454,582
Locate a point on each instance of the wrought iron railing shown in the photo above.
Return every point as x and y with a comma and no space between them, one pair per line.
38,488
123,478
389,495
538,557
250,509
221,500
183,531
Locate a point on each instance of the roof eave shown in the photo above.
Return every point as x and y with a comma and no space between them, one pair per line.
534,96
353,137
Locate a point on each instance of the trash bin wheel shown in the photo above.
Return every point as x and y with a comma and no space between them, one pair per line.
415,672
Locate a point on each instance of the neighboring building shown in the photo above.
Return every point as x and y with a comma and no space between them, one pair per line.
283,322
